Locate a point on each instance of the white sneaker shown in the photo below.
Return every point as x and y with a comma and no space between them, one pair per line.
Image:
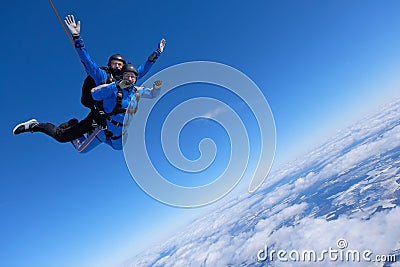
25,126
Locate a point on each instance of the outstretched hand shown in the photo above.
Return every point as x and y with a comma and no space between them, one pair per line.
161,45
74,28
157,84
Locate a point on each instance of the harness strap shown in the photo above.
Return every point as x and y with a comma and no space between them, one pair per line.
118,105
116,123
98,107
118,110
109,135
116,137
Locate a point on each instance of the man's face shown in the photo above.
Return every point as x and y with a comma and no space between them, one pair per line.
117,64
130,76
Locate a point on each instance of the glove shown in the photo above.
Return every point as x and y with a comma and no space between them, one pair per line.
124,84
74,28
161,45
157,84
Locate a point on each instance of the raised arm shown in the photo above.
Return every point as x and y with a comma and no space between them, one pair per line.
92,69
150,92
145,67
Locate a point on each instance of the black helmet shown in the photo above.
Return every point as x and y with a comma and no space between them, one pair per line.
129,68
115,72
116,57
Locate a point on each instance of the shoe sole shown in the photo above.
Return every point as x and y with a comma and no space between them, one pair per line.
23,124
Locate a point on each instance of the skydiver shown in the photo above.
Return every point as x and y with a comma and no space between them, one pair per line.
72,130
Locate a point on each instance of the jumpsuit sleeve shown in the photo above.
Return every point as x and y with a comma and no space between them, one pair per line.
148,92
145,67
104,91
92,69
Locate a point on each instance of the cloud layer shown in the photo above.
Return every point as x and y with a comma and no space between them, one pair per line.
345,189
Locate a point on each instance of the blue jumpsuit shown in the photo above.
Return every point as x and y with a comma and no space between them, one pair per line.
100,77
109,96
77,131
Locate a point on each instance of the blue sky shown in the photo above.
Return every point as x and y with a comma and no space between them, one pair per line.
320,65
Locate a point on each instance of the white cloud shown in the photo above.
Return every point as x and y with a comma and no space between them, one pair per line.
234,233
